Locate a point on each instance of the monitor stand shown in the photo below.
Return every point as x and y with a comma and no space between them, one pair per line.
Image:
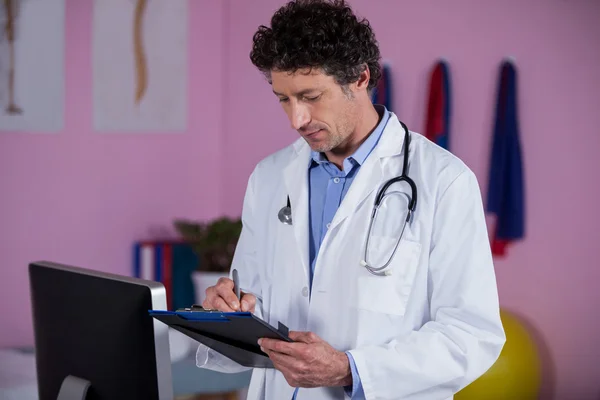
73,388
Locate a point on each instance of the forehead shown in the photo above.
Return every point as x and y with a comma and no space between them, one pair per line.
289,83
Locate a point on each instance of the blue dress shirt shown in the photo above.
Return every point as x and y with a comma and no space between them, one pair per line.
327,187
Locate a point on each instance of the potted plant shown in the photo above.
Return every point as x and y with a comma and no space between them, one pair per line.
214,243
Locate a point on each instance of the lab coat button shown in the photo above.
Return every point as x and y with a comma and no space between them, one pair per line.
305,291
336,180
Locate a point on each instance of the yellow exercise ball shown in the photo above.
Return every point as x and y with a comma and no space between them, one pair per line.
517,372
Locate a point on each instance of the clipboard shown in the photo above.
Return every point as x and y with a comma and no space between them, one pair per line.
233,334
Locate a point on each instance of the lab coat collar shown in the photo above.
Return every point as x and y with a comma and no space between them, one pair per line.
392,140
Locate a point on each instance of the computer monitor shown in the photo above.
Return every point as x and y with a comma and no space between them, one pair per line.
94,338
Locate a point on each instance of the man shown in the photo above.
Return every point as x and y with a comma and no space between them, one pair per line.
429,324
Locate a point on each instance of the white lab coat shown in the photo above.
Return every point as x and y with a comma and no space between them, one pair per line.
421,333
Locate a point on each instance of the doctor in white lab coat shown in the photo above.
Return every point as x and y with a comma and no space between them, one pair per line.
432,324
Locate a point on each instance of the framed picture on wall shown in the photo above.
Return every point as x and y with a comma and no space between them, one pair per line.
32,52
140,65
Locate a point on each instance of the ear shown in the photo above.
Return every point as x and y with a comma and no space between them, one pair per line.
363,79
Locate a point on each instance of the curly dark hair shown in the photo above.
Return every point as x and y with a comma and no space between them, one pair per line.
318,34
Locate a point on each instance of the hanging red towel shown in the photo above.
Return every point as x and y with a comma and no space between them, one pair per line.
506,188
437,124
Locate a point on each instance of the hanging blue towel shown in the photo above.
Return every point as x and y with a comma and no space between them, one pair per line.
506,188
382,93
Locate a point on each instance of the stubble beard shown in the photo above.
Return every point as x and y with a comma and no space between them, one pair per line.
333,141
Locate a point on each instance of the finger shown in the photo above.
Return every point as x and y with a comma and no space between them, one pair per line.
214,301
210,295
219,304
304,337
283,361
248,302
268,344
224,289
225,282
207,305
278,346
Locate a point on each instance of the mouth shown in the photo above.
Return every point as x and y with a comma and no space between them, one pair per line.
311,134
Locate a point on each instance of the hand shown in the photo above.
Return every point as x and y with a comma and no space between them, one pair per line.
222,297
308,362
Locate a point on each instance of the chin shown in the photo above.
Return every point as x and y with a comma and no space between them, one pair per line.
321,148
320,142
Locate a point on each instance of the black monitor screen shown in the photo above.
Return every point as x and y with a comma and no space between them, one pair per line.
95,327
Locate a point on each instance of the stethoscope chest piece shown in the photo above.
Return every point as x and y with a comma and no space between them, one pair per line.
285,214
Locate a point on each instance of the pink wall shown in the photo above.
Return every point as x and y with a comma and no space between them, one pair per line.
64,198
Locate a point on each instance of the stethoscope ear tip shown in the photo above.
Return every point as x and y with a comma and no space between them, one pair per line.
363,263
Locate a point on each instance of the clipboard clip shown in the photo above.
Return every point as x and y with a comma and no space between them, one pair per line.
197,308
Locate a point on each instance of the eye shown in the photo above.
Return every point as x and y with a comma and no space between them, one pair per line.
283,99
315,98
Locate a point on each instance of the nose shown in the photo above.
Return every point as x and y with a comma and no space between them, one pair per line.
299,116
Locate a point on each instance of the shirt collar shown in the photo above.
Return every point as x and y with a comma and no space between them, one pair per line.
361,154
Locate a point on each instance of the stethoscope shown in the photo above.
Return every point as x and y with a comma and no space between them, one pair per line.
285,214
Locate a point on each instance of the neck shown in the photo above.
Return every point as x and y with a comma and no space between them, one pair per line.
367,122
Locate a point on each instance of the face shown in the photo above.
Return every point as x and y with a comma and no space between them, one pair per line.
319,109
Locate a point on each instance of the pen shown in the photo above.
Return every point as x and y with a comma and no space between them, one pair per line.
236,283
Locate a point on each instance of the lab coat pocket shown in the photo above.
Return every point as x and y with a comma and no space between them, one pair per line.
389,294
